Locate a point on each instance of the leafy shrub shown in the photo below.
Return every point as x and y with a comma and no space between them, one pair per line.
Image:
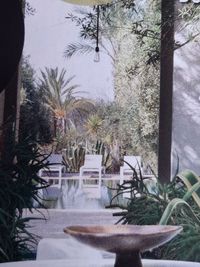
19,189
170,203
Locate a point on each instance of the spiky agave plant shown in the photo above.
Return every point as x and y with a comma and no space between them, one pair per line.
169,204
19,188
183,211
145,206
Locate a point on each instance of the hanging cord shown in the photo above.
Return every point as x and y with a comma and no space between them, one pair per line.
97,39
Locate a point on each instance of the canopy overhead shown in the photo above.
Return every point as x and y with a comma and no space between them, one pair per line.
88,2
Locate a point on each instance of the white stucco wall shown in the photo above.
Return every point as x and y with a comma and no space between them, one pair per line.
186,106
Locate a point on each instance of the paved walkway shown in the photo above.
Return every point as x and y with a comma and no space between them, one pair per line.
57,220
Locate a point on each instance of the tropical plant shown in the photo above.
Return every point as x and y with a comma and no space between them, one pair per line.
136,26
170,203
74,154
19,190
35,119
93,125
74,157
100,148
183,211
62,98
192,182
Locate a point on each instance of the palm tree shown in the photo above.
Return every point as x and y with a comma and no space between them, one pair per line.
61,98
93,125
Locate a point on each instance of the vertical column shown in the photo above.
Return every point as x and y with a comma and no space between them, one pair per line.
166,90
11,107
12,34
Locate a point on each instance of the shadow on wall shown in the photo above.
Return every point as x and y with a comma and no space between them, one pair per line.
186,108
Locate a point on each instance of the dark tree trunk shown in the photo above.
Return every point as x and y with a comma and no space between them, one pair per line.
10,116
166,91
12,32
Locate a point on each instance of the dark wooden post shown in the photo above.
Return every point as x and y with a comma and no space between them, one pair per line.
10,115
166,91
12,34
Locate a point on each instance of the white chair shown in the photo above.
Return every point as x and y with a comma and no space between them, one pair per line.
92,163
56,165
135,162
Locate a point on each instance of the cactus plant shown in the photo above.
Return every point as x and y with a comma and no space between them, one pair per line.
74,157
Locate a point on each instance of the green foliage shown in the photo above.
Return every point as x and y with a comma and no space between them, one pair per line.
137,80
93,125
35,119
146,205
192,182
63,99
190,13
115,125
101,148
129,129
172,206
133,122
77,48
186,246
74,157
118,20
19,189
74,154
171,203
136,69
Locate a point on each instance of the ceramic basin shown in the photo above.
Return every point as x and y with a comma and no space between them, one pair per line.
127,241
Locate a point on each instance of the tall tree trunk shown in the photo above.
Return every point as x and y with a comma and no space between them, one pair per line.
166,91
11,109
12,32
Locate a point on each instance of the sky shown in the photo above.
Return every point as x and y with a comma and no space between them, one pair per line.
48,32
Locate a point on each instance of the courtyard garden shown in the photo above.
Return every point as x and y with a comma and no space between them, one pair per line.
58,118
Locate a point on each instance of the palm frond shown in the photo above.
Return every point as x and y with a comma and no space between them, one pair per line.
77,48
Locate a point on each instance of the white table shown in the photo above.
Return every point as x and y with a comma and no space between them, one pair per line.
88,263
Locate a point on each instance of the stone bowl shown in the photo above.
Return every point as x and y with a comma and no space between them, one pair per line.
127,241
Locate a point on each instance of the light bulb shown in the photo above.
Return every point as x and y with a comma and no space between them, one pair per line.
97,55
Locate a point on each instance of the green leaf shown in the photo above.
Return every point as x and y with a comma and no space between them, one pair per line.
172,206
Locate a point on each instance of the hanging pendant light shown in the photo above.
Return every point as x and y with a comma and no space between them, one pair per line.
97,55
92,3
88,2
